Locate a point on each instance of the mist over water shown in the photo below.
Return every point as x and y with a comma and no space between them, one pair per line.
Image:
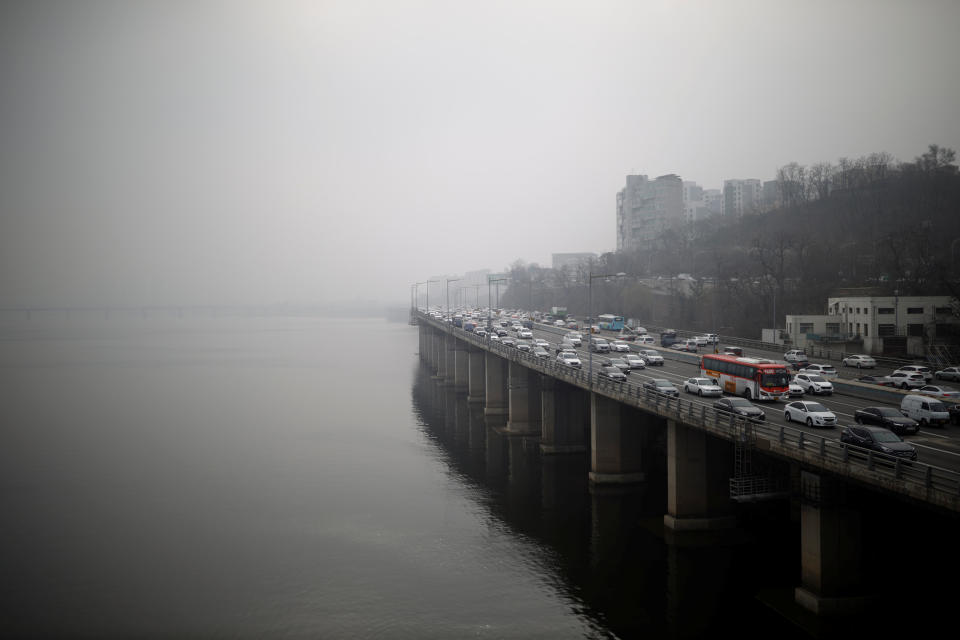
265,476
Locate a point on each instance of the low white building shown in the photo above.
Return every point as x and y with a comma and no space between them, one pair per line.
917,320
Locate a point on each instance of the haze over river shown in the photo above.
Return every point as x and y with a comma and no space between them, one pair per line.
304,477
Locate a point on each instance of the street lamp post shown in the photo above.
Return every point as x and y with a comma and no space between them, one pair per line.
590,318
491,281
428,293
417,294
449,280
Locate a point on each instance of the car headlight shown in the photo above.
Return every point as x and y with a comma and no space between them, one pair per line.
886,449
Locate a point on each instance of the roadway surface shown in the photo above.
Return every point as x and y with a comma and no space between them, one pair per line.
938,446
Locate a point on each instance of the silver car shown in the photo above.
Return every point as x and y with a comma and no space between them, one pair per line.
702,387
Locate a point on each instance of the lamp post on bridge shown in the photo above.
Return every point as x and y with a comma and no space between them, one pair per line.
491,280
449,280
417,294
592,277
428,293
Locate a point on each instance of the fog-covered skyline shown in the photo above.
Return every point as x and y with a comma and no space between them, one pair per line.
304,152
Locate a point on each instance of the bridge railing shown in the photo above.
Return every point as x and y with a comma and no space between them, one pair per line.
929,483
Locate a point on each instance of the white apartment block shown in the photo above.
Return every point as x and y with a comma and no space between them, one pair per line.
742,196
694,205
646,208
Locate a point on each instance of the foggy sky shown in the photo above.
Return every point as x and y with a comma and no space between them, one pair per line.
193,152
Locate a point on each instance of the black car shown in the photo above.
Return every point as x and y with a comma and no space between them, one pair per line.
887,417
740,407
883,381
613,372
954,410
879,439
661,386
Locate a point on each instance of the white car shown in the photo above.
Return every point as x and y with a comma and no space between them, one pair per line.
795,390
651,357
570,359
907,379
635,361
712,338
540,342
812,413
939,392
701,341
859,361
826,370
574,338
558,323
702,387
795,355
813,383
619,345
950,373
646,340
917,368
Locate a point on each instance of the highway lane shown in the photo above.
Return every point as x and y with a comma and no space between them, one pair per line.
935,446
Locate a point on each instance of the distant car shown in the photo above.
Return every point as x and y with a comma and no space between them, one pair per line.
795,355
859,361
917,368
826,370
558,323
480,333
635,361
878,439
702,387
651,357
795,389
712,338
540,342
599,345
950,373
886,417
566,345
685,346
701,341
524,333
883,381
907,379
510,342
938,391
646,340
540,352
661,386
523,345
814,384
813,413
740,407
732,351
574,338
620,363
628,336
613,373
572,325
569,358
494,337
619,345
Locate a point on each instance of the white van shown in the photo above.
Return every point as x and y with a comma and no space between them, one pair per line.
925,410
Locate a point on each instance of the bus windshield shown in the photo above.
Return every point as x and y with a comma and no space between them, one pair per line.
776,378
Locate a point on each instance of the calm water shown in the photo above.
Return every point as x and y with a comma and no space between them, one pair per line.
266,477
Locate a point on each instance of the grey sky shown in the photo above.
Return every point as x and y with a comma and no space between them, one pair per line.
234,152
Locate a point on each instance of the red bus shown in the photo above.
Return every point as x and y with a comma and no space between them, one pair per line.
752,378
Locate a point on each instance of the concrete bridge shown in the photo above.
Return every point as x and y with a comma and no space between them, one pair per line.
713,461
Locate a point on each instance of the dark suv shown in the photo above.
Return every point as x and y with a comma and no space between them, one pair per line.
879,439
887,417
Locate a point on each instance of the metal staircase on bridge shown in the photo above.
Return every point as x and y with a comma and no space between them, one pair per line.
747,484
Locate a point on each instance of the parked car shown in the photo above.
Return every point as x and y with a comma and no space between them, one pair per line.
859,361
950,373
907,379
795,390
918,368
883,381
635,361
795,355
812,413
814,384
702,387
878,439
569,358
886,417
620,345
613,373
825,370
651,357
540,352
661,386
925,410
938,391
740,407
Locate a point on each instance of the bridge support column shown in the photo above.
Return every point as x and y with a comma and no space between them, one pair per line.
524,397
495,369
439,354
830,542
476,373
615,444
461,369
564,417
698,480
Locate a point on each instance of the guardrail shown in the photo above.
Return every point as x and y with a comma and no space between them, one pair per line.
927,483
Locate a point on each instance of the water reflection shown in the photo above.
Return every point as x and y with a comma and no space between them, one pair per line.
604,549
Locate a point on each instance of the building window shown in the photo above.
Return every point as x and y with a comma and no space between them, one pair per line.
858,328
806,327
915,330
866,311
886,330
914,309
866,330
833,328
858,310
943,311
885,311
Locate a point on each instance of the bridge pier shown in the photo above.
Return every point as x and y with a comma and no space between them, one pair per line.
564,419
440,355
615,443
461,366
830,543
476,375
495,375
698,481
449,360
524,400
